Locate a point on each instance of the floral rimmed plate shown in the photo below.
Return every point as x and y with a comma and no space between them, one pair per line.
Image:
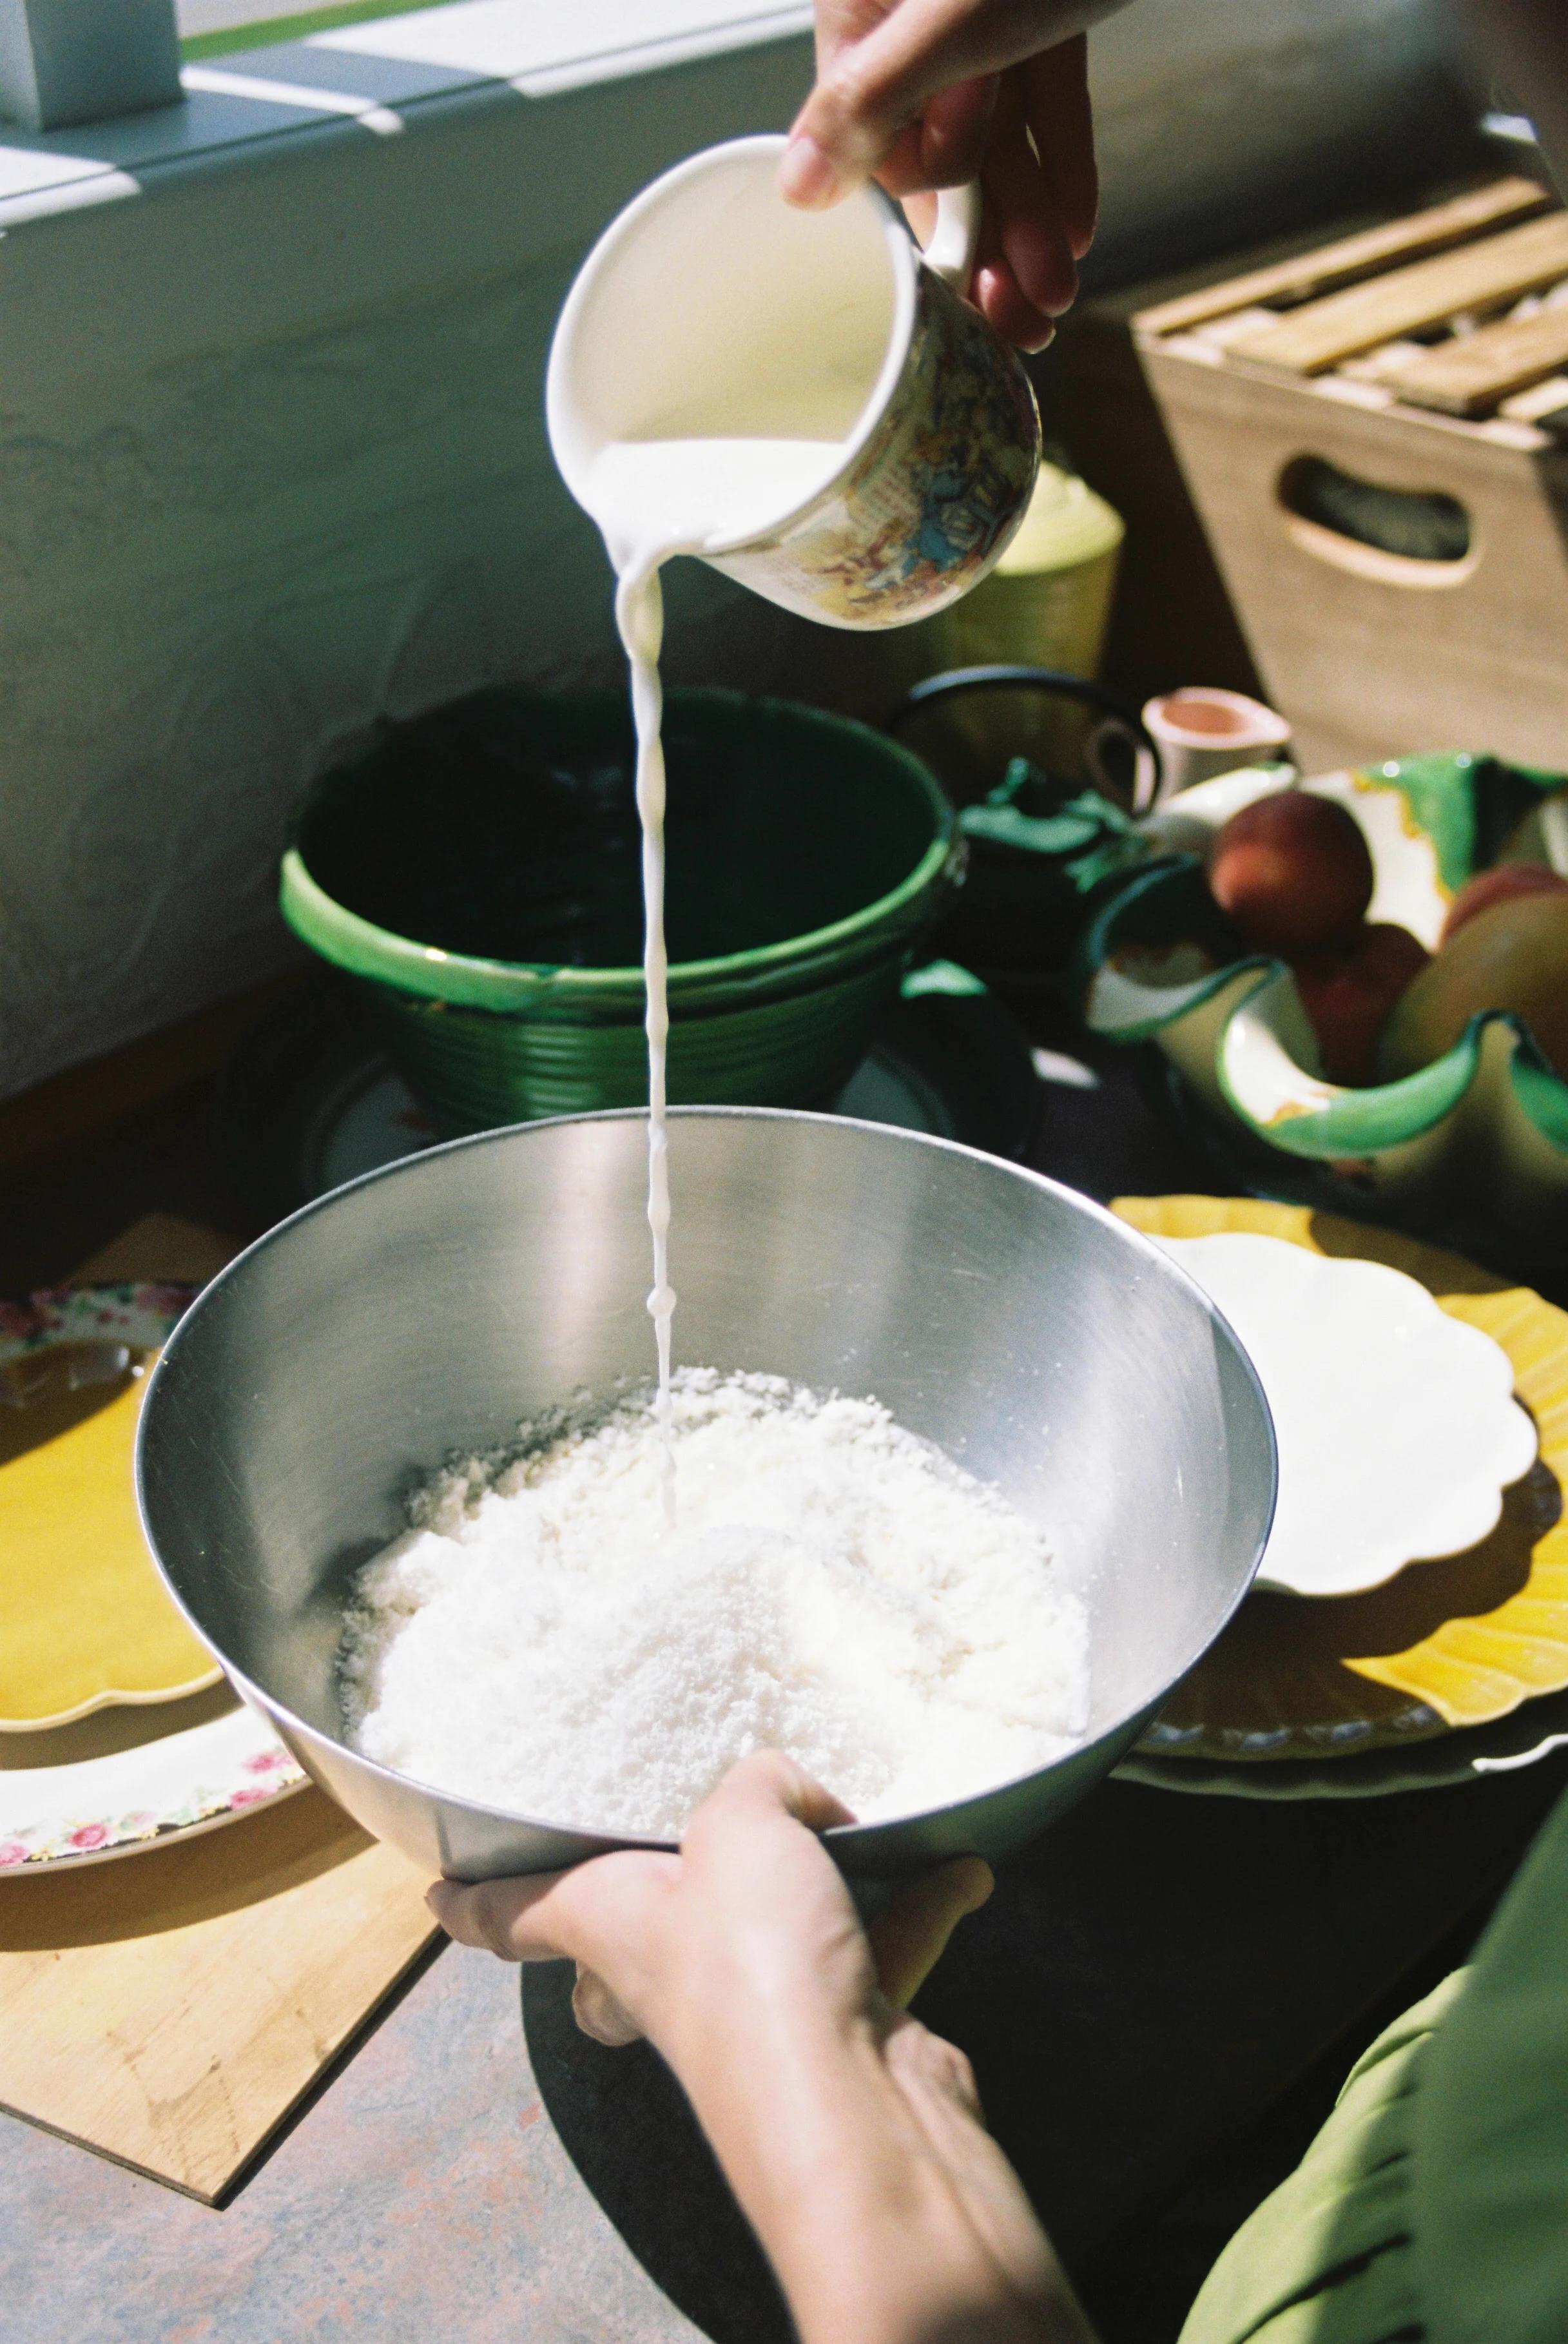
83,1621
1488,1121
135,1314
1455,1644
142,1797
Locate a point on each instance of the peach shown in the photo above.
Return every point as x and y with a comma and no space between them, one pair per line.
1502,884
1514,955
1294,873
1348,997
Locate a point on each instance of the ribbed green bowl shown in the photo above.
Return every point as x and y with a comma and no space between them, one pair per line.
478,873
1482,1129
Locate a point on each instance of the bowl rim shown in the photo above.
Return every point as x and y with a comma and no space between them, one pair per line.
476,981
852,1838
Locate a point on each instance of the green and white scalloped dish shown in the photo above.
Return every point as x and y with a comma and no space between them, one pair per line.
1486,1125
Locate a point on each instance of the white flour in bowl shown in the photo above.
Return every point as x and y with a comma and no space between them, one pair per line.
836,1587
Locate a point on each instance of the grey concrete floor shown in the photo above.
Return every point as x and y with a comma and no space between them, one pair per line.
423,2193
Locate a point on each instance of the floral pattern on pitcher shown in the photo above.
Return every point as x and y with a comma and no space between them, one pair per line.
933,497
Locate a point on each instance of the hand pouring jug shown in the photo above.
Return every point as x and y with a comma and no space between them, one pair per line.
710,311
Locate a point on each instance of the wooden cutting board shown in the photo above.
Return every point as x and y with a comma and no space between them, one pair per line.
169,2009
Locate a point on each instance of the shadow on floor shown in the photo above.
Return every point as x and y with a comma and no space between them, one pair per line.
1160,2003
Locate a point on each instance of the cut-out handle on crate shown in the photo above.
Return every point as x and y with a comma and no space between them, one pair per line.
1392,536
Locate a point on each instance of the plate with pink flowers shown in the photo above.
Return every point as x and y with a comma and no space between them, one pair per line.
83,1809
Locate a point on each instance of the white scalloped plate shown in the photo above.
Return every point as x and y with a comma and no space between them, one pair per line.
1443,1647
1397,1425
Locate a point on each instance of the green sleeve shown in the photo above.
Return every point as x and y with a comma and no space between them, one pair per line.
1326,2258
1489,2176
1432,2207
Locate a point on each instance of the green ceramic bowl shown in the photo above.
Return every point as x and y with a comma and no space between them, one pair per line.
1484,1127
478,873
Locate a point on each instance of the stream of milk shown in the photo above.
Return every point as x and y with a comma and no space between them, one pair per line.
653,498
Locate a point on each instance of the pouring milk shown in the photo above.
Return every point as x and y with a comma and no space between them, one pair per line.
723,366
653,498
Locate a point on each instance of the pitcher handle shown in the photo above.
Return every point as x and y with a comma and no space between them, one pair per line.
951,251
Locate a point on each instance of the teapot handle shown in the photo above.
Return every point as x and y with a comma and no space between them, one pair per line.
951,251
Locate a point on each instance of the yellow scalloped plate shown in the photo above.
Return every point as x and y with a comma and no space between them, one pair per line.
84,1620
1450,1643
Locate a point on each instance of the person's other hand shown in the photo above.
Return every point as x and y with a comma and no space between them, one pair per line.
927,93
749,1928
851,2136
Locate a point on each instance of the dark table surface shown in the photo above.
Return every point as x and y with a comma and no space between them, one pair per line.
1163,1995
1160,2000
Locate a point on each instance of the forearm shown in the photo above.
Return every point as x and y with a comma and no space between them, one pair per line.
851,2137
887,2212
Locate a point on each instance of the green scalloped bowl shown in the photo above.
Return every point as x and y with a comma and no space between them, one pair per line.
479,873
1484,1126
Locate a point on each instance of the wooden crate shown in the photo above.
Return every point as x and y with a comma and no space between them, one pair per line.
1427,358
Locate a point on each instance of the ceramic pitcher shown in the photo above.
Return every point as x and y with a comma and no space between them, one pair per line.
708,307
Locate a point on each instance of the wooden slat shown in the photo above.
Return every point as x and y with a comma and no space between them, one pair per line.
1221,331
1543,399
1352,257
1384,361
1499,268
1469,377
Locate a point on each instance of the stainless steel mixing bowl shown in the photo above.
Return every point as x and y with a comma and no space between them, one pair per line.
1042,1344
